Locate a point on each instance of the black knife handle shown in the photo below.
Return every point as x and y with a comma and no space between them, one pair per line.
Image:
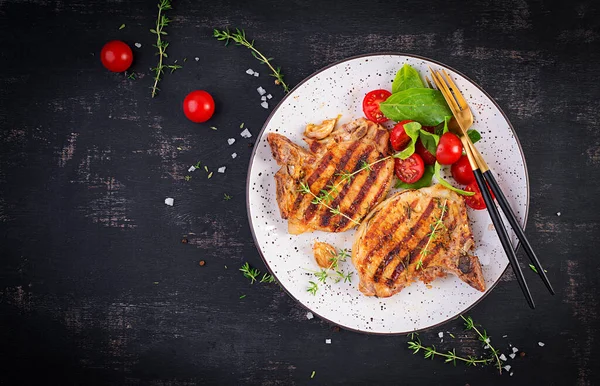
503,235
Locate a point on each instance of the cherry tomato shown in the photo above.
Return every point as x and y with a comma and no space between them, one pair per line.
462,172
475,201
398,137
409,170
371,105
116,56
198,106
421,150
449,149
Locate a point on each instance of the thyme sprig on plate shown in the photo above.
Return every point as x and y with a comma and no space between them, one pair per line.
333,271
161,45
485,339
239,37
439,223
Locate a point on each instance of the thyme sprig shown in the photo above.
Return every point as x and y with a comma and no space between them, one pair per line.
239,37
485,339
253,274
332,271
431,352
314,287
432,235
320,200
161,45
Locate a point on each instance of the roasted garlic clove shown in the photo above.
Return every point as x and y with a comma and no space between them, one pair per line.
324,253
320,131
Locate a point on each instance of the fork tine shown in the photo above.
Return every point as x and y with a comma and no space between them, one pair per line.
459,97
441,85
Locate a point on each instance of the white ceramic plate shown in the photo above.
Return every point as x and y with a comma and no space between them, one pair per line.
339,89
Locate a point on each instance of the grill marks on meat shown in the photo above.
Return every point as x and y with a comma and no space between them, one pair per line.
391,240
343,151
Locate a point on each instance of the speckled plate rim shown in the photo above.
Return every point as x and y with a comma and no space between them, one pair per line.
259,137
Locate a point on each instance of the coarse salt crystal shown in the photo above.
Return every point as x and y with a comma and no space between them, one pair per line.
487,340
515,350
261,91
256,74
512,356
504,336
250,71
265,105
230,141
503,357
263,98
441,334
169,201
233,155
269,96
558,214
138,45
246,133
309,315
541,344
511,374
222,169
196,58
327,341
191,169
507,367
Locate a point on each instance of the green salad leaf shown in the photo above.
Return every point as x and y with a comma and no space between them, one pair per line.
423,105
445,183
429,140
407,77
423,182
412,129
474,135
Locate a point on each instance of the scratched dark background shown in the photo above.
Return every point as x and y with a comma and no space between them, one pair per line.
96,286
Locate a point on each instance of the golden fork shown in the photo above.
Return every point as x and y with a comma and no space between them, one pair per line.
484,177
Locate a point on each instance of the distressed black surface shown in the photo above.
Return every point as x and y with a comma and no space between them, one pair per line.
95,284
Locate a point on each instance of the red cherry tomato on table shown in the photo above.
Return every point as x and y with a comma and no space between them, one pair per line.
409,170
398,137
476,201
198,106
421,150
371,105
449,149
462,172
116,56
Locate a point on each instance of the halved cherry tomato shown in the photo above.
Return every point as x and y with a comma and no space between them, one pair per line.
409,170
475,201
371,105
449,149
198,106
116,56
421,150
398,137
462,172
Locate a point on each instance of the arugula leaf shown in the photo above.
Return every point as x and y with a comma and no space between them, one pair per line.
442,128
474,135
429,140
423,105
407,77
423,182
411,129
445,183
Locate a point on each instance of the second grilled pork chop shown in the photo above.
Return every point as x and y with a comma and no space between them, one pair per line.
394,245
332,152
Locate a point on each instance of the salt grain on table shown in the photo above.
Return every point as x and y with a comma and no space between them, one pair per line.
512,356
503,357
265,105
441,334
233,155
169,201
250,71
309,315
507,367
222,169
246,133
196,58
269,96
256,74
327,341
263,98
558,214
542,344
138,45
261,91
191,169
515,350
230,141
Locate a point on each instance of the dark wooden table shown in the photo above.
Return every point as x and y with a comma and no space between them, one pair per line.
96,286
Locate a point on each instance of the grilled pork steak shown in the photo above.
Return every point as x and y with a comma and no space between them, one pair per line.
332,153
415,234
